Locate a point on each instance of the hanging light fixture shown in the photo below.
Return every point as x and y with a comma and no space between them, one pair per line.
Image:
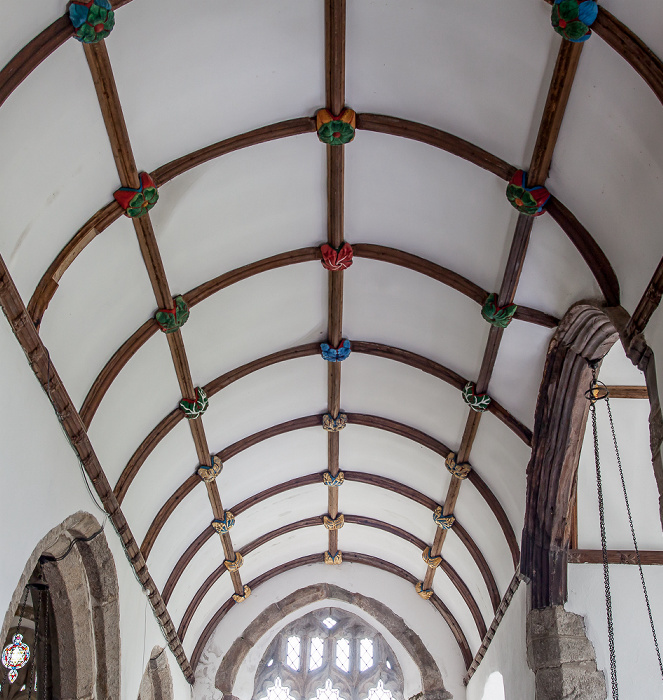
16,654
598,391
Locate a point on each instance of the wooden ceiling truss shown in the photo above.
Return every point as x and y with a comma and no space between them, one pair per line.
24,323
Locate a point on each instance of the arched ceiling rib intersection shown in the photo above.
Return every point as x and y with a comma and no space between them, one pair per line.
98,60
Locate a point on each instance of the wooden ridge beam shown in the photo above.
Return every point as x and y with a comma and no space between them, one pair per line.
349,557
553,113
335,12
453,575
627,392
111,109
39,359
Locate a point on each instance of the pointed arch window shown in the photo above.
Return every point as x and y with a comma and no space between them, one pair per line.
328,654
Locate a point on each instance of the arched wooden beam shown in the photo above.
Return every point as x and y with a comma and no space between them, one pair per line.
359,477
100,221
366,420
216,385
591,252
585,335
448,277
348,557
453,575
395,126
375,252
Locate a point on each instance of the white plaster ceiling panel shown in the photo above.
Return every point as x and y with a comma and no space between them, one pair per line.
191,516
417,61
632,430
208,558
362,499
642,17
51,128
625,182
554,275
392,591
216,597
500,458
518,369
414,197
458,556
384,545
478,519
395,306
21,21
393,390
266,398
265,558
100,301
616,368
144,393
654,335
272,311
376,451
450,596
171,462
281,509
273,462
242,207
251,69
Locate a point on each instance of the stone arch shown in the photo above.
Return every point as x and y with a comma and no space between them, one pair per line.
84,595
157,682
431,678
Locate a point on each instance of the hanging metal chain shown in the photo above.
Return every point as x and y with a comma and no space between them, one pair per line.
635,543
33,669
593,396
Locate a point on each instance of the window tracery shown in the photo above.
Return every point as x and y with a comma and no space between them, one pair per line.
329,654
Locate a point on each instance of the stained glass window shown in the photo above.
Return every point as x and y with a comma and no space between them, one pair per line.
328,692
317,652
278,691
379,692
293,652
365,654
343,654
329,622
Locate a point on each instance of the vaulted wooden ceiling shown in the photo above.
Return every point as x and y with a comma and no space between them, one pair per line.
218,102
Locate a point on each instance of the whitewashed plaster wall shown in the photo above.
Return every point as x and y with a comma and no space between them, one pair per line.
40,486
638,675
393,592
507,654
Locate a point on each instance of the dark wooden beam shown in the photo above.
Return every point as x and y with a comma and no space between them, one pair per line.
647,305
648,557
349,557
39,359
628,392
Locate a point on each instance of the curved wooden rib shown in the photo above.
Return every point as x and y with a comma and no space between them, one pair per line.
111,212
359,477
631,48
370,421
438,138
349,557
397,257
453,575
591,252
213,387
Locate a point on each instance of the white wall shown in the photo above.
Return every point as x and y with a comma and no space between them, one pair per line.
40,486
638,675
508,655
